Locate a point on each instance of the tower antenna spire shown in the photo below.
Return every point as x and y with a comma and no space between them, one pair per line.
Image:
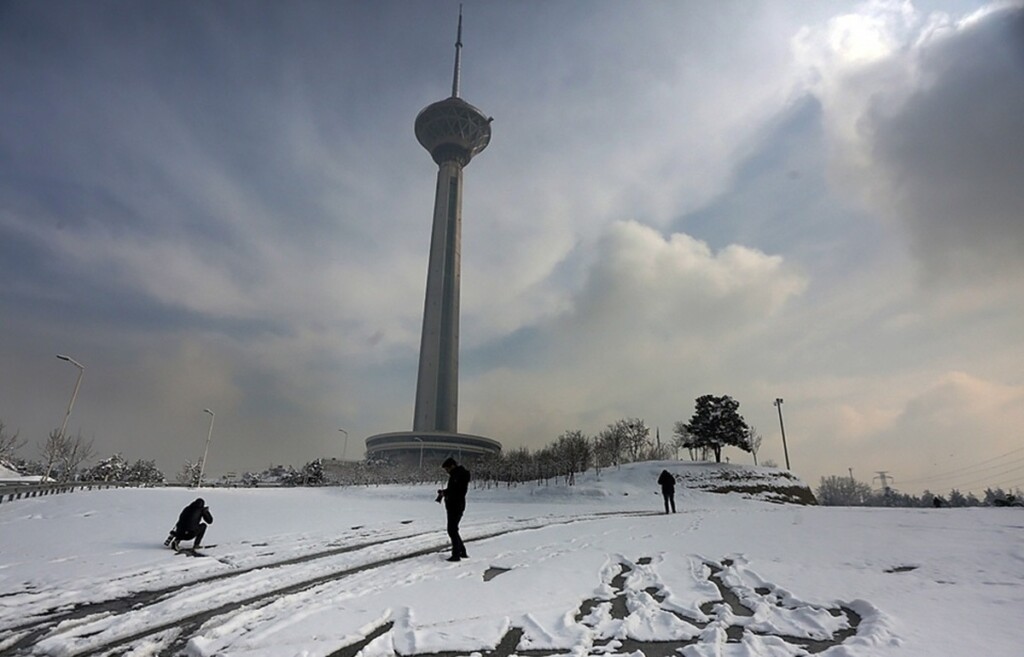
458,58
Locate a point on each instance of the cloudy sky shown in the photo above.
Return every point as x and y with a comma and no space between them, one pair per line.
223,205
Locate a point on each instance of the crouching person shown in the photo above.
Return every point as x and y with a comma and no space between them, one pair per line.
190,525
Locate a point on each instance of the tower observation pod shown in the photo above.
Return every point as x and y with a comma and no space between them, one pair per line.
453,132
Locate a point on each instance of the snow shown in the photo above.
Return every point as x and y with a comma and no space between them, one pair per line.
591,569
12,477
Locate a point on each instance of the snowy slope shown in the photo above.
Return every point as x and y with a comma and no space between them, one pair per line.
591,569
6,474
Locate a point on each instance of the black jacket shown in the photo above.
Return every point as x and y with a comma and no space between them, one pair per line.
667,481
458,485
192,515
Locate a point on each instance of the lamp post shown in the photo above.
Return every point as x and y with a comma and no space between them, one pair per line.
71,404
421,449
345,448
74,395
206,452
778,404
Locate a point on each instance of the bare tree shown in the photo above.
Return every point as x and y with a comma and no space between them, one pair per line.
547,464
76,452
608,447
51,451
573,454
842,491
754,440
635,437
658,452
63,454
9,444
682,438
518,464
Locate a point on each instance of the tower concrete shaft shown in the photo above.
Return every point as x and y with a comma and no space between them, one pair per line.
437,388
453,131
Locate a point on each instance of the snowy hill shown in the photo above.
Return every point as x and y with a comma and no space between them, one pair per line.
693,480
749,482
9,476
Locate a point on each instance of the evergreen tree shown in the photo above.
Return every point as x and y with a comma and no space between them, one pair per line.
716,423
250,480
189,473
313,473
143,472
109,469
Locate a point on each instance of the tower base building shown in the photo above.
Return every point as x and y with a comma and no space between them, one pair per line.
429,448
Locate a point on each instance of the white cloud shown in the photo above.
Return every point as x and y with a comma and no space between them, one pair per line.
650,309
641,283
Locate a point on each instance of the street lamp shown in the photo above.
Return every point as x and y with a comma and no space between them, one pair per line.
71,404
74,395
345,448
778,404
421,450
206,452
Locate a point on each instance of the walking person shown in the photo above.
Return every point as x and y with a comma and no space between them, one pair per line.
454,496
190,525
668,489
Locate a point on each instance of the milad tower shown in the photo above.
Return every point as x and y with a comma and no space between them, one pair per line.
453,132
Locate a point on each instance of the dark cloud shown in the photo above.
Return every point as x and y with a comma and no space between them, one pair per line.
951,156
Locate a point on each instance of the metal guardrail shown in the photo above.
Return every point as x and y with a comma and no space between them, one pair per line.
11,492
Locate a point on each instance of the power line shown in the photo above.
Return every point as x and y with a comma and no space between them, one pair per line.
1012,485
964,469
980,472
988,478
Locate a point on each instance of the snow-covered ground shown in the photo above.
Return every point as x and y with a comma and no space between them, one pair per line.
10,476
592,569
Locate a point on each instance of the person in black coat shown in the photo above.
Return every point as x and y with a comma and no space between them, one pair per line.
454,496
668,489
190,524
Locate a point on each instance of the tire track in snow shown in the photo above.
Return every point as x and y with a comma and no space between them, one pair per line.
140,599
185,625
